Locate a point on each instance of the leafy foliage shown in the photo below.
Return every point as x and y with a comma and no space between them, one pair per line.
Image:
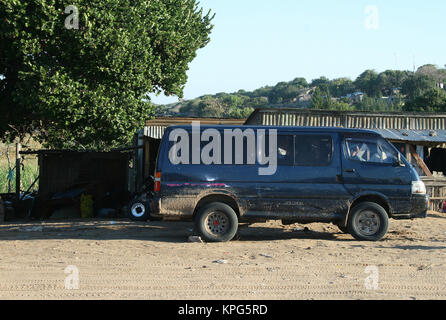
88,87
222,106
417,85
433,100
285,92
391,90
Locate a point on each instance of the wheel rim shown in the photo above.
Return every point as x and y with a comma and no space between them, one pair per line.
217,223
138,210
368,223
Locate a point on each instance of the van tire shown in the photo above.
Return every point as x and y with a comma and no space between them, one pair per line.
368,221
216,222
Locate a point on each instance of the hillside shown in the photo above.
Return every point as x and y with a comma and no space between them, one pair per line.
391,90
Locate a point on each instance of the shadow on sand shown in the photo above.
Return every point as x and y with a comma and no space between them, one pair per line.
174,232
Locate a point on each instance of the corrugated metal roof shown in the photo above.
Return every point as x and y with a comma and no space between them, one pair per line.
154,132
347,119
424,128
155,128
171,121
428,136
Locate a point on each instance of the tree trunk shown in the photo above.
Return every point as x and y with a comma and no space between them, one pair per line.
17,170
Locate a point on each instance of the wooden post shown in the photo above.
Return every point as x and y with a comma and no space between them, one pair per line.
420,161
17,170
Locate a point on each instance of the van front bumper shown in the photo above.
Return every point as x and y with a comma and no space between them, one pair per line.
419,208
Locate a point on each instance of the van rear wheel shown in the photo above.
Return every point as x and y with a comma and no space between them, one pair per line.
216,222
368,221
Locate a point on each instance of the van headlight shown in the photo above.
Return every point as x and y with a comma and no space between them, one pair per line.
418,187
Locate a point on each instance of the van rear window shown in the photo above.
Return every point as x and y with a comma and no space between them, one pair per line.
313,150
285,150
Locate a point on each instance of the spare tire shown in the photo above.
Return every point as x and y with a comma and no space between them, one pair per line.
139,210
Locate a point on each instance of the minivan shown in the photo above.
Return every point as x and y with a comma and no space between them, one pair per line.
222,176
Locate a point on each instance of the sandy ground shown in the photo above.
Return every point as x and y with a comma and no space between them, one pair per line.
126,260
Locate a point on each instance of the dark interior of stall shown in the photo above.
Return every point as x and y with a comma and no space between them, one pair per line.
151,148
435,159
74,184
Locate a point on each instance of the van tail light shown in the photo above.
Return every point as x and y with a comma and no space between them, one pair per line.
157,187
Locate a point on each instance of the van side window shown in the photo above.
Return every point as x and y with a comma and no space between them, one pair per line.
389,155
313,150
370,151
285,150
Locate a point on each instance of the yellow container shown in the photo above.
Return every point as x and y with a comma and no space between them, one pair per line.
86,206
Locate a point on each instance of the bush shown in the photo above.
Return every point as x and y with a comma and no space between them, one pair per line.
29,173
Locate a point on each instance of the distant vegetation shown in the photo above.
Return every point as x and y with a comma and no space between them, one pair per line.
391,90
30,168
30,172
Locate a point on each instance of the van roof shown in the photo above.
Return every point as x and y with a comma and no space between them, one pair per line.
283,129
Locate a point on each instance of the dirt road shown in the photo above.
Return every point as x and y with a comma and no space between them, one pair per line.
125,260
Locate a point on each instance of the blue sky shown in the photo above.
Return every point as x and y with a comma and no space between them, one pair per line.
256,42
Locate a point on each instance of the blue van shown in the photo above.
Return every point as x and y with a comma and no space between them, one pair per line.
354,179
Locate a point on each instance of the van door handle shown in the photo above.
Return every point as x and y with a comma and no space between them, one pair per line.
350,170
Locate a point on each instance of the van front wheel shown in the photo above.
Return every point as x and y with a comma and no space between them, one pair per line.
216,222
368,221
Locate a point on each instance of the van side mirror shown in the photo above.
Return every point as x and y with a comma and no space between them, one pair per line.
399,162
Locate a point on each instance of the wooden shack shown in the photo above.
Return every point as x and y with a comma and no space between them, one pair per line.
103,175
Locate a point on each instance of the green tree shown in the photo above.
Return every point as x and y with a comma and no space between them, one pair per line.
286,92
276,94
390,79
318,100
433,100
300,83
342,106
240,113
433,72
322,83
88,86
417,84
341,87
368,82
262,92
210,108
